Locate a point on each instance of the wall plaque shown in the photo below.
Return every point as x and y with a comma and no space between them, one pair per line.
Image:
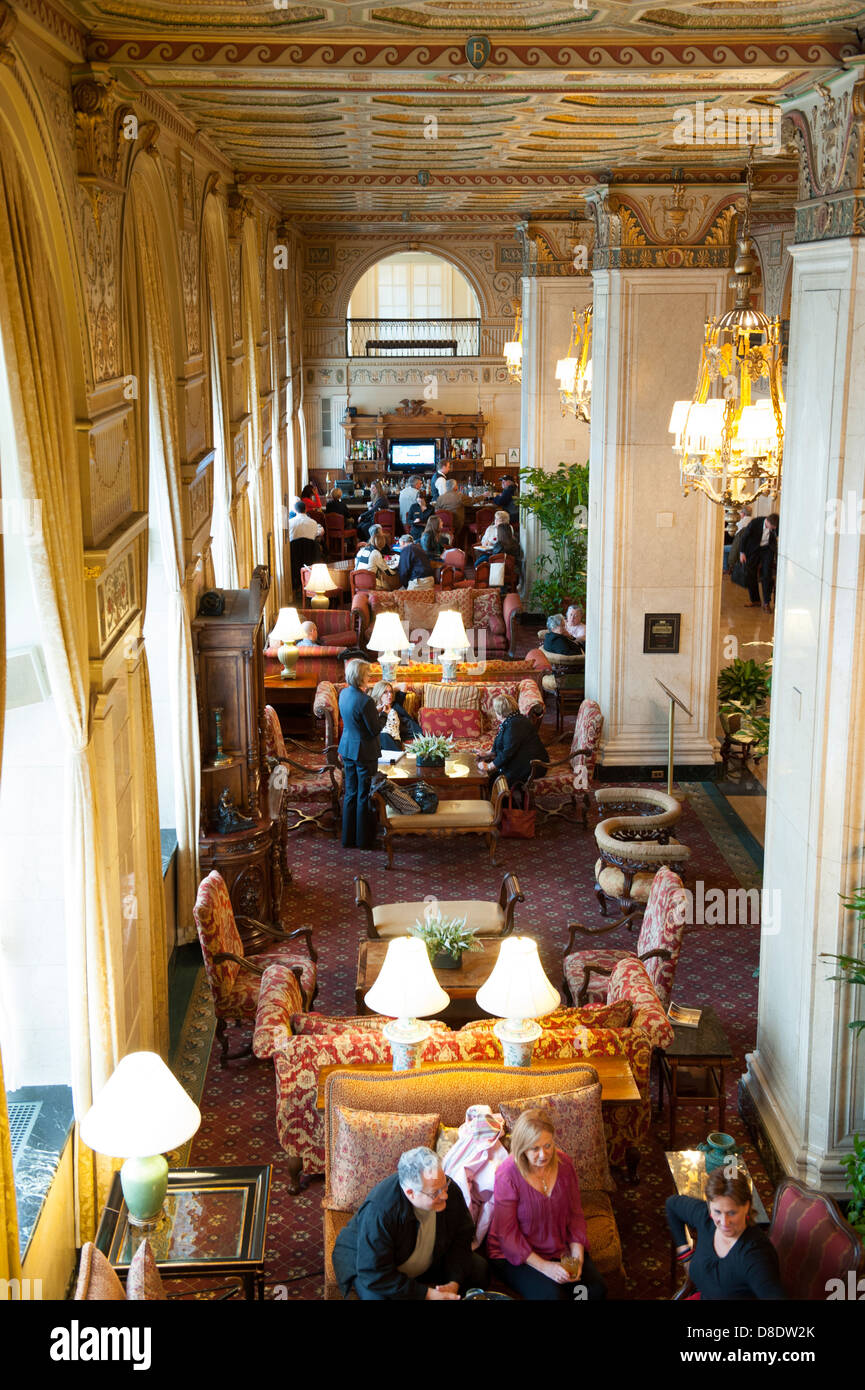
661,632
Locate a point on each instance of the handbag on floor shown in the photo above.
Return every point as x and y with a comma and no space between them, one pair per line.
518,823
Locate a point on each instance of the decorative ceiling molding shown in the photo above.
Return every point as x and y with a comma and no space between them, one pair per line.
827,124
709,51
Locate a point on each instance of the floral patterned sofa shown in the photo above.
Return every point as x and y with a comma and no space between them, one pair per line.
302,1045
490,619
525,692
337,629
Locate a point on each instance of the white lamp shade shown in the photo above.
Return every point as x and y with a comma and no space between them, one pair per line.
388,634
288,628
566,372
320,580
406,986
142,1110
449,631
513,353
698,427
518,987
757,429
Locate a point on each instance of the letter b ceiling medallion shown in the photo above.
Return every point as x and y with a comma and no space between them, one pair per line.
477,50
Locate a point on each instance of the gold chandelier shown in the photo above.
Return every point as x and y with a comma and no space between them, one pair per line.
514,349
574,372
731,443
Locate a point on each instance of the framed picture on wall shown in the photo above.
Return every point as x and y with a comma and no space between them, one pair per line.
488,463
500,460
513,455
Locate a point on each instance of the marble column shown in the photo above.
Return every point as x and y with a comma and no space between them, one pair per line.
807,1075
650,549
547,438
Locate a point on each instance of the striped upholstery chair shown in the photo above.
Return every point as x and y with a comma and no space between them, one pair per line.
814,1243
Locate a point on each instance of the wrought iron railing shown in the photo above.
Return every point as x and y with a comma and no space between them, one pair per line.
412,337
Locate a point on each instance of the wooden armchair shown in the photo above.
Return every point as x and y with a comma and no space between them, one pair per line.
459,817
234,978
487,919
551,779
658,944
312,783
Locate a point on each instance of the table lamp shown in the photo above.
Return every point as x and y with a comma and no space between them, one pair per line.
140,1114
518,991
405,989
284,636
449,634
389,638
319,585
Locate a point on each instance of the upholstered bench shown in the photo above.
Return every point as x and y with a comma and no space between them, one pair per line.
451,818
484,918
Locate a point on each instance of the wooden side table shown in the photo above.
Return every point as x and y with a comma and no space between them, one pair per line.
213,1226
462,985
692,1068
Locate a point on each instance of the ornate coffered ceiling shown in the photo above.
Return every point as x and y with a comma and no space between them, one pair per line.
375,111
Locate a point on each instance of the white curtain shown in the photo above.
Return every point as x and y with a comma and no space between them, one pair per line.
223,548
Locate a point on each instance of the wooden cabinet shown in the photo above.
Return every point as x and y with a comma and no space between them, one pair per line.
229,670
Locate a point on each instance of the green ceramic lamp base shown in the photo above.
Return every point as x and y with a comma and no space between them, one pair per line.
145,1183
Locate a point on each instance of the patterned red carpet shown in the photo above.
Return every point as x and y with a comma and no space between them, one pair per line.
555,872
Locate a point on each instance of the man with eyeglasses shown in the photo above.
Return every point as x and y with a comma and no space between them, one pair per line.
411,1238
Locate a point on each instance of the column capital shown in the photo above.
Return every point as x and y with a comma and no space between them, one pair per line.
826,123
647,227
556,248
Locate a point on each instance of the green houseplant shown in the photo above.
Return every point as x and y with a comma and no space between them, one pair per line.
560,501
744,688
432,750
445,938
852,972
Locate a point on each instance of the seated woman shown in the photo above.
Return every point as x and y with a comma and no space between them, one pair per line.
515,745
732,1259
371,557
575,624
506,543
310,495
399,726
557,639
490,536
433,538
366,520
538,1218
419,514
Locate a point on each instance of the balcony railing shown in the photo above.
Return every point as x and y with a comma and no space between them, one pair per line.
412,337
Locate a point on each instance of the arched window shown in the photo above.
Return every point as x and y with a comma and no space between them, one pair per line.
413,304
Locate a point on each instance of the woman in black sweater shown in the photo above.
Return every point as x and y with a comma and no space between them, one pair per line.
731,1260
514,746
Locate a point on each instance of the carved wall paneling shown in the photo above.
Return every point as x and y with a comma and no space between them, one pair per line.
114,575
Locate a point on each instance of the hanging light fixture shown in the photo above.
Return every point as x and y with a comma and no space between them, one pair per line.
731,444
574,372
514,349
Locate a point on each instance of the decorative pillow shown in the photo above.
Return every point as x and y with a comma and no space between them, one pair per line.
367,1147
143,1284
487,605
579,1130
460,723
459,601
97,1280
447,1137
419,616
462,696
497,573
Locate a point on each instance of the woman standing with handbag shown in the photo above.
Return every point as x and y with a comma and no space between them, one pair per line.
360,750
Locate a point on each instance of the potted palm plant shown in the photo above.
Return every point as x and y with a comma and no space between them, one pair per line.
744,688
445,939
432,750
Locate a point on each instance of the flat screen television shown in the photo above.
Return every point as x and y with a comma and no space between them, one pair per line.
412,455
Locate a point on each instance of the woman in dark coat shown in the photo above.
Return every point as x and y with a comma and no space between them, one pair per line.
516,744
419,514
432,538
377,500
399,726
360,749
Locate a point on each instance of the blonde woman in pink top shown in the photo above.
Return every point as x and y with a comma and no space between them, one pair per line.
537,1238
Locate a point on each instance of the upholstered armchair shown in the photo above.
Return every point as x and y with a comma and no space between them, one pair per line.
293,781
633,843
567,786
235,979
658,944
815,1245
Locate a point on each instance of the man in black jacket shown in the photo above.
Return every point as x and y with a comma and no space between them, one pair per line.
411,1238
557,639
759,546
